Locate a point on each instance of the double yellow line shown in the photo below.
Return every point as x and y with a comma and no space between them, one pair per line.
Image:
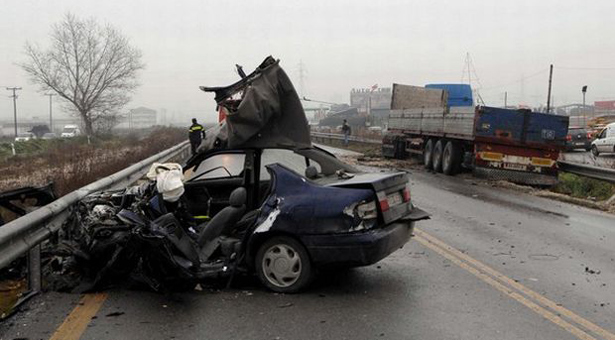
568,320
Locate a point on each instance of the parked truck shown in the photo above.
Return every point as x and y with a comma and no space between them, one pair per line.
441,123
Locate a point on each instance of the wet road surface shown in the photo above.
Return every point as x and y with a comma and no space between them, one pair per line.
490,264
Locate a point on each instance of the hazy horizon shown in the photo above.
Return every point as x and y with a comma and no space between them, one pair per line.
341,44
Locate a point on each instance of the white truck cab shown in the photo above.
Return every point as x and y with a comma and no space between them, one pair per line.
70,131
605,140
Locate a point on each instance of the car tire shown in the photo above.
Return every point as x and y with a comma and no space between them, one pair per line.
451,158
283,265
437,155
427,154
588,148
595,150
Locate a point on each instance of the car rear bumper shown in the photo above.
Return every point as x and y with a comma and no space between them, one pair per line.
578,144
361,248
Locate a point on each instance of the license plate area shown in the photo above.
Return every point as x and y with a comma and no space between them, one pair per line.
394,199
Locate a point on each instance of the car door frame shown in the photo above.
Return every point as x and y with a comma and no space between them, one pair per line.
247,179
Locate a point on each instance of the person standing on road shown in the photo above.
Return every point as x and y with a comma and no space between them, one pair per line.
196,133
346,131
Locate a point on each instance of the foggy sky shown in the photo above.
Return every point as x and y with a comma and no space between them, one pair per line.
341,44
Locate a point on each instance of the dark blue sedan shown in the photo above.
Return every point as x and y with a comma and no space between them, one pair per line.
306,209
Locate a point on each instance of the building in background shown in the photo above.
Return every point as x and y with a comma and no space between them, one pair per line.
374,103
139,118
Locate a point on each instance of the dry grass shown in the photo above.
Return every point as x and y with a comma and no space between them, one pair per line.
73,165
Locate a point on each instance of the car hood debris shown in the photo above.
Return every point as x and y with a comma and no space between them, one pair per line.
262,110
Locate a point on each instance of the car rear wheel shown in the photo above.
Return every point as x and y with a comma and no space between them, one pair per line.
283,265
595,150
437,156
451,158
427,154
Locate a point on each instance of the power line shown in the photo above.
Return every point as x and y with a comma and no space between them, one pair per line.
517,81
586,68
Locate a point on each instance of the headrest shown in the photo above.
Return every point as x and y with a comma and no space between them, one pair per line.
238,197
311,172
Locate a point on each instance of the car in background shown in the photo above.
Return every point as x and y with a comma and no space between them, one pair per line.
578,138
49,135
605,141
24,137
70,131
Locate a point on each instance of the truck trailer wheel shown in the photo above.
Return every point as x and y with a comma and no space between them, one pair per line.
427,154
437,155
451,158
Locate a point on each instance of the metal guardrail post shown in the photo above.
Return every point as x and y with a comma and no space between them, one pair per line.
35,283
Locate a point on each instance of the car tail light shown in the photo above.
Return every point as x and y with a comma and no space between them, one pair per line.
383,201
406,193
568,137
589,135
367,210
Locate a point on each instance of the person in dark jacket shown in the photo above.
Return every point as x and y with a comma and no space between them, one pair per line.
196,133
346,131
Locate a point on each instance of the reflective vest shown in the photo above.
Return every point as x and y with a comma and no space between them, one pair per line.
195,132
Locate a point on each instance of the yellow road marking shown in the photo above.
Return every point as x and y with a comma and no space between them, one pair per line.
530,293
76,322
507,291
456,256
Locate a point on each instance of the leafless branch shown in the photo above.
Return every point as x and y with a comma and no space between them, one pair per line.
92,67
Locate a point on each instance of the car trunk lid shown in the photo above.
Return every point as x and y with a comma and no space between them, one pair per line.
392,191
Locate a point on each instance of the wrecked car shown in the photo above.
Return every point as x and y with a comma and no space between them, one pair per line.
257,198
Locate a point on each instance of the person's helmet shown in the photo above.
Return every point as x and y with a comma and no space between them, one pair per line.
194,120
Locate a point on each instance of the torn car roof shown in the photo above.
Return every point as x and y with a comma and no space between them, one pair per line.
262,110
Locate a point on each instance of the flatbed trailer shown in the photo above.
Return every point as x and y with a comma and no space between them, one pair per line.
516,145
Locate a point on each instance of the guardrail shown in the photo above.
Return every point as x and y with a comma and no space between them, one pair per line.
595,172
351,138
25,234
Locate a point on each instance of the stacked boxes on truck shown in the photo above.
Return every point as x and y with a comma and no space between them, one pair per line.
440,122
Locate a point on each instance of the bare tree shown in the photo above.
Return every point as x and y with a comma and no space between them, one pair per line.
92,67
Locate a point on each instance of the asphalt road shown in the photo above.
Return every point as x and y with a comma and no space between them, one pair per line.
490,264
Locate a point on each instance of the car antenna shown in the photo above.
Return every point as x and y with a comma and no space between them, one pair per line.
242,74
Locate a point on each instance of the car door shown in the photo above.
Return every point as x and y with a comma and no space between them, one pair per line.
600,141
609,141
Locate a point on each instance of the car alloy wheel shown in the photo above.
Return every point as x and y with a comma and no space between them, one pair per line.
283,265
595,150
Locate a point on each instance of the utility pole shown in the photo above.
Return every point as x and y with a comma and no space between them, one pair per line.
14,96
506,100
549,93
50,117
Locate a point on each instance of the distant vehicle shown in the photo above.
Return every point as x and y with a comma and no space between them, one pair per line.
375,129
49,135
440,122
578,138
70,131
605,141
24,137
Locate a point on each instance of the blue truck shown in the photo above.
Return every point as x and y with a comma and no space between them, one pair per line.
441,123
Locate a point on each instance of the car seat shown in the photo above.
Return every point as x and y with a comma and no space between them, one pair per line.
226,218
